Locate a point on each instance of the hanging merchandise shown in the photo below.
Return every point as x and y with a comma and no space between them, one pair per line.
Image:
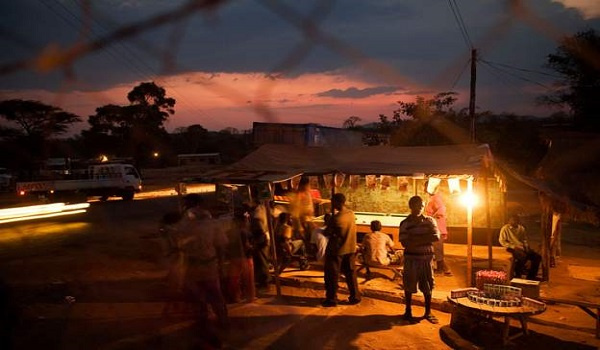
264,191
339,179
328,178
371,182
402,184
296,182
313,181
354,181
244,194
432,184
285,185
385,181
454,185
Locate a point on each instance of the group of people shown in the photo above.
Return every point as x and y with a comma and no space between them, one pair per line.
214,261
418,233
217,262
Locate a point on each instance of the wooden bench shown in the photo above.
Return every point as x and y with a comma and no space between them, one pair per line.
583,305
396,269
364,265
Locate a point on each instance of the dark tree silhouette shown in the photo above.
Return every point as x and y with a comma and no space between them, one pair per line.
29,129
351,122
34,118
137,129
426,122
577,60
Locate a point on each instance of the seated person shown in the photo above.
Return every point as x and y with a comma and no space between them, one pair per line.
378,246
319,240
284,236
514,238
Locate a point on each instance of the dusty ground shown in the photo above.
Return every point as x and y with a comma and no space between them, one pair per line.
115,269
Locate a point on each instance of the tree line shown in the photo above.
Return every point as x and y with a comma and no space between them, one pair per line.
136,130
32,129
517,139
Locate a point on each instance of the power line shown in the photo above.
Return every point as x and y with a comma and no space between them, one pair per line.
460,22
523,69
460,74
500,77
128,56
515,76
111,51
128,50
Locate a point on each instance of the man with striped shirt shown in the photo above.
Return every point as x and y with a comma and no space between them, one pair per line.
417,234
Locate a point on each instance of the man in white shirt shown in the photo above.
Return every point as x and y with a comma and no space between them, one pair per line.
377,245
514,238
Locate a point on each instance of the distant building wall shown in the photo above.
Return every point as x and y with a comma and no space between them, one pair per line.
199,159
304,135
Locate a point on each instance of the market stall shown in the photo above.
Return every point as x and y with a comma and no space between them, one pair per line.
378,181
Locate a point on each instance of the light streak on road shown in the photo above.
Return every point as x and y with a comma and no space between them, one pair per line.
167,192
41,211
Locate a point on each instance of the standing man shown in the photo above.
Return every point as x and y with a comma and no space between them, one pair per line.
514,238
202,243
417,234
437,209
260,242
340,252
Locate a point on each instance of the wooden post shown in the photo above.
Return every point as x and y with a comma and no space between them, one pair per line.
470,236
555,239
472,94
546,232
488,220
332,193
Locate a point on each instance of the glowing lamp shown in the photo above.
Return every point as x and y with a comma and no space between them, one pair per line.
469,199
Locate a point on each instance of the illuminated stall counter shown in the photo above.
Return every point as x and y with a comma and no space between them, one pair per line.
389,224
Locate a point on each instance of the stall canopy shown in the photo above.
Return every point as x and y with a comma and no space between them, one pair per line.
275,163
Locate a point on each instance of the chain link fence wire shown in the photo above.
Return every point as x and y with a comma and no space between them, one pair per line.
113,40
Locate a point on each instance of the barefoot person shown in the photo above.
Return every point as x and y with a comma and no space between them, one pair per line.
417,234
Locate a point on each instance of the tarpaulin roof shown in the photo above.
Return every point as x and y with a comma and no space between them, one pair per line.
275,163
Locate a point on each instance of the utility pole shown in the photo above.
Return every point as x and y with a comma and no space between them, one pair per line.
472,95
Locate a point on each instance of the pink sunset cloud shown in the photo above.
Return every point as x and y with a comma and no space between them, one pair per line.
219,100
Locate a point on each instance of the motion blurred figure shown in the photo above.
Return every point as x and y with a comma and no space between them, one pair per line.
437,209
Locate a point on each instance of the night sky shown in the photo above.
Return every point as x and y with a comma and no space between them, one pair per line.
290,61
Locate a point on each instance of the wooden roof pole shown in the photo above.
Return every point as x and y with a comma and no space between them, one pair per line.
469,235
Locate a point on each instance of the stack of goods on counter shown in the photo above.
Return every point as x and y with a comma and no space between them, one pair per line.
490,277
496,295
493,291
461,292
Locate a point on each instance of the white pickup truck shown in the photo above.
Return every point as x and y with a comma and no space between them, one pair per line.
101,180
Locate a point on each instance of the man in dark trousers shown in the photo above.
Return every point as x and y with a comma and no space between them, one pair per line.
417,234
513,237
340,252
